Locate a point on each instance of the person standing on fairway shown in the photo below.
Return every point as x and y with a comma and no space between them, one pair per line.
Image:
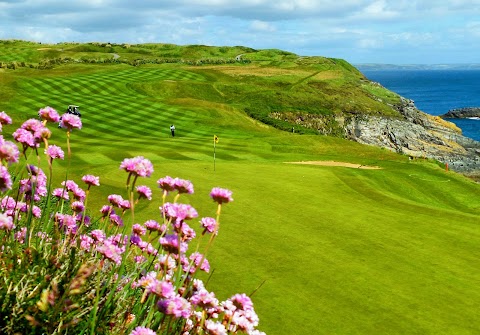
172,130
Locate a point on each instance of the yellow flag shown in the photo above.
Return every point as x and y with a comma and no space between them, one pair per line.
215,138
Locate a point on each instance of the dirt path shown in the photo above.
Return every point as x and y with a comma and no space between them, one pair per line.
341,164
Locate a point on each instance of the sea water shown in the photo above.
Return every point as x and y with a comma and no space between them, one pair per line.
435,91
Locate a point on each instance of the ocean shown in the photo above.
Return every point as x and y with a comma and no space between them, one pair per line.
435,91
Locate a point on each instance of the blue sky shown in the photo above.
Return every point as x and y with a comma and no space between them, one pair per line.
359,31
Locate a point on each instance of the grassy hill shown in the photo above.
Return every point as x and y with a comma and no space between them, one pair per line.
339,250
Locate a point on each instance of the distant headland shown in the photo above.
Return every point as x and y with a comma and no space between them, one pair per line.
377,66
462,113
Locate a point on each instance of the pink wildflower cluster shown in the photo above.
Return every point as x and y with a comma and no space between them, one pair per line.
15,208
6,222
35,186
48,114
144,192
5,179
221,195
9,152
70,121
169,184
91,180
31,133
153,260
69,190
142,331
5,119
54,152
137,166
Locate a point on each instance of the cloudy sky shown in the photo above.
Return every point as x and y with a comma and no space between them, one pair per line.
360,31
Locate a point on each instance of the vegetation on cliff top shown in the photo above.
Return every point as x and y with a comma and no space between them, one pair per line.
276,87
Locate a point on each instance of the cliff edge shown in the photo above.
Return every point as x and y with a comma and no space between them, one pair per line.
416,134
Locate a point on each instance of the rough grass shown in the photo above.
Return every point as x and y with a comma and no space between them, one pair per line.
338,250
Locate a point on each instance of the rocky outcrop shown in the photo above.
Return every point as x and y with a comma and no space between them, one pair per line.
416,134
462,113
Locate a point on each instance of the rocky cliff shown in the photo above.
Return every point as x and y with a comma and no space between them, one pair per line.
462,113
416,134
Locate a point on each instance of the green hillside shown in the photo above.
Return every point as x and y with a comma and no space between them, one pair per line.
339,250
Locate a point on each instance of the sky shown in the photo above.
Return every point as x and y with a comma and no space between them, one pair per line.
359,31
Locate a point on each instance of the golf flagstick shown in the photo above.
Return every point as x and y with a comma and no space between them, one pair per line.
215,141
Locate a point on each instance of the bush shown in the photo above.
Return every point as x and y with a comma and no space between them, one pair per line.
64,271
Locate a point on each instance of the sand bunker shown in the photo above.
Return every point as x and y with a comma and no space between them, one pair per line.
342,164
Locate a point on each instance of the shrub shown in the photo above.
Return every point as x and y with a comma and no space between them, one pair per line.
64,271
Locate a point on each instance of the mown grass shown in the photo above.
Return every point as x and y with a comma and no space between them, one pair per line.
338,250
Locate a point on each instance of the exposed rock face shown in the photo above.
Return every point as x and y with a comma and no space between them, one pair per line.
462,113
416,134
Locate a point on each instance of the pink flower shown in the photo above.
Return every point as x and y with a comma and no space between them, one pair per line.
9,151
167,184
142,331
176,306
138,166
70,185
79,194
221,195
86,242
42,133
178,212
54,151
138,229
98,235
115,199
67,222
6,222
152,225
91,180
84,218
25,137
60,193
204,299
183,186
49,114
107,210
215,327
20,235
70,121
8,203
32,125
116,220
124,204
170,244
196,257
144,192
241,302
36,211
5,119
77,206
111,251
210,224
38,179
187,232
161,288
5,179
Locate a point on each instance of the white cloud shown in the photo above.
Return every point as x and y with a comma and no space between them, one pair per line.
262,26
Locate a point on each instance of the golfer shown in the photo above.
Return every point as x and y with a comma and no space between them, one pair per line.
172,130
